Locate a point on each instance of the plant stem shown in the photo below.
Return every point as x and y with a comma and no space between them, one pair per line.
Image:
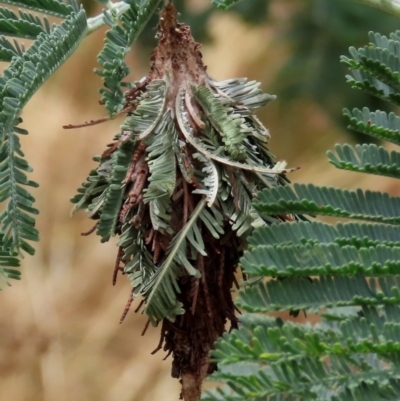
390,6
114,10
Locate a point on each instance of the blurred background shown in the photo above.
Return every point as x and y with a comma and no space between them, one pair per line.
60,337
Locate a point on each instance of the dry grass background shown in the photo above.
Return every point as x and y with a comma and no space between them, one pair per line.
59,333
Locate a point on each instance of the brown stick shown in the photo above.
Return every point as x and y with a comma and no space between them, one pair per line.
117,267
127,307
92,230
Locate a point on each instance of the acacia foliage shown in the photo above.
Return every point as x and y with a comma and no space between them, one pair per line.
347,274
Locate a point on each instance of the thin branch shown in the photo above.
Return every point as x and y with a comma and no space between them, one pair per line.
113,12
116,9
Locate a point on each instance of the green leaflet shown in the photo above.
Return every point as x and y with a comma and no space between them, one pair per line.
148,113
310,199
366,159
320,293
356,234
218,116
347,273
51,7
242,218
91,194
17,224
25,74
162,168
320,259
117,45
25,25
120,161
243,92
291,365
181,116
210,180
161,289
140,266
377,124
8,264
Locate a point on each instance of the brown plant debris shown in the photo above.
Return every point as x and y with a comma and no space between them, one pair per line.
176,186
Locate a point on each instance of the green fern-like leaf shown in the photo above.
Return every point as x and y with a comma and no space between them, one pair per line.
216,113
348,274
247,93
320,259
16,220
26,73
208,149
162,168
50,7
310,199
317,294
356,234
148,112
160,291
117,45
267,359
8,264
366,159
25,25
377,124
365,82
115,191
91,194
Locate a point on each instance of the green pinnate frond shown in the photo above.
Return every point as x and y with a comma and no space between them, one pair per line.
376,67
293,233
225,126
377,124
25,25
389,388
52,7
320,259
310,199
209,178
243,92
369,84
161,288
306,380
273,344
16,220
347,274
113,197
149,111
391,44
356,234
208,149
91,194
9,263
25,74
365,158
319,293
139,262
162,169
376,62
118,42
214,221
266,359
9,50
242,214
